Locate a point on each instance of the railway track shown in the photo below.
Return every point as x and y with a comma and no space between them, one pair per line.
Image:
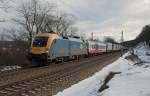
24,70
14,76
49,82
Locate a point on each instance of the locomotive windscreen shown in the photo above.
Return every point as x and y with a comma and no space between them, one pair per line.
40,41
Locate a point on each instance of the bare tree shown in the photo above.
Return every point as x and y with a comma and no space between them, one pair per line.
33,15
38,18
4,4
64,26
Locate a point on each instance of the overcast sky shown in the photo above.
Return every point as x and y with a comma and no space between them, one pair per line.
103,17
109,17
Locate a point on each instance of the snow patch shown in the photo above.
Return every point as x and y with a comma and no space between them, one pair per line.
6,68
143,52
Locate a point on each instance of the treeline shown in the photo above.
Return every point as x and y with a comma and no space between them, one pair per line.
144,36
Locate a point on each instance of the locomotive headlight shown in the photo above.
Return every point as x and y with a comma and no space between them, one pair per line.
46,50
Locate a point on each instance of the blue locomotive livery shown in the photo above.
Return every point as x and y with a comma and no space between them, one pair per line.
70,48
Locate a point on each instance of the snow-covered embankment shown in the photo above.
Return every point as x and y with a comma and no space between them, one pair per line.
132,80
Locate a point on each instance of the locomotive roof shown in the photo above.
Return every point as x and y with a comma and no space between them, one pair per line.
73,39
55,35
47,34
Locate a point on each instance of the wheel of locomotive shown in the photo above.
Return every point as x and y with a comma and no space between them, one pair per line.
66,58
77,57
59,60
86,56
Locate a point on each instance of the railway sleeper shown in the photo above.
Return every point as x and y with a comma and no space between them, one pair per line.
37,80
24,94
11,89
32,92
27,83
6,93
23,85
3,92
17,87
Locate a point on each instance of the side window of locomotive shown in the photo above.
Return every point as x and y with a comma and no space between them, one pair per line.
54,41
53,47
40,41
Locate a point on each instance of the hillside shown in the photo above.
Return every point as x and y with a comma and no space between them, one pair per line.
144,36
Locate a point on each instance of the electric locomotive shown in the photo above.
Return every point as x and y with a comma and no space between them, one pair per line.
51,47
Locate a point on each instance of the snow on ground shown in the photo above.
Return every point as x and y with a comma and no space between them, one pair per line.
6,68
143,52
133,80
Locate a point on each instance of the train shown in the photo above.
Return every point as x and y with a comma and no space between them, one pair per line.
50,47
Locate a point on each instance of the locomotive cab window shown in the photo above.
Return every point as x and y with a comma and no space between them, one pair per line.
40,41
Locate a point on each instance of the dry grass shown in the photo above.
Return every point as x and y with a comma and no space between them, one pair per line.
14,55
